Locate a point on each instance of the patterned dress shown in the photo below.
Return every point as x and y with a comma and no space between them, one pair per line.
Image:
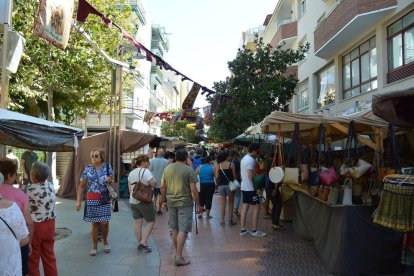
94,210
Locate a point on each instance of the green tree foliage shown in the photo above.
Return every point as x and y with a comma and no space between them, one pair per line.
183,129
257,86
78,77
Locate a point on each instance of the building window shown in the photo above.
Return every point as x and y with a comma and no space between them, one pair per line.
359,69
302,7
401,42
302,98
326,89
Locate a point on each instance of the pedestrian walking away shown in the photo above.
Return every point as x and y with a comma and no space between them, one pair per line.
250,196
9,170
95,178
157,167
42,201
142,210
179,186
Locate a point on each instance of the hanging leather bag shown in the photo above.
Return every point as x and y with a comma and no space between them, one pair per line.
142,192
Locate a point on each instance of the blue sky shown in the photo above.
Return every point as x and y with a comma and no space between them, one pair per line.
205,35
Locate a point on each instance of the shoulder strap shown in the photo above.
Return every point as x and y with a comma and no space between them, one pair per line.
107,169
8,226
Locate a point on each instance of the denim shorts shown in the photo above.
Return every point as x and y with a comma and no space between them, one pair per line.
224,190
180,218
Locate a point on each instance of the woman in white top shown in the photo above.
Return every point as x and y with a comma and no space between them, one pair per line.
13,234
141,210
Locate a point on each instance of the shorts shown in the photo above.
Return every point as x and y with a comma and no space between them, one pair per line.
143,210
157,191
224,190
180,218
250,197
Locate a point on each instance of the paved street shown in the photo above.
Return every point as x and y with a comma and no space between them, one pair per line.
216,250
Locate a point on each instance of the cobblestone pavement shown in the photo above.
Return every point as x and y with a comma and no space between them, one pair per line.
219,250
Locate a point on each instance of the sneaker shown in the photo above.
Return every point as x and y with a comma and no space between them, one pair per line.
159,213
181,261
244,233
258,234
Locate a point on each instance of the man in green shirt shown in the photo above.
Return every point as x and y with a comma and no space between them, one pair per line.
178,184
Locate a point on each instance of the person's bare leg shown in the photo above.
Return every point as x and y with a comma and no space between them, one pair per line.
256,213
231,206
222,208
180,244
174,233
138,229
147,231
245,209
95,230
105,231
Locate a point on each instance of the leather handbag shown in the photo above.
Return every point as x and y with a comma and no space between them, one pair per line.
112,193
304,172
142,192
361,168
291,176
233,184
328,177
347,192
333,195
286,193
259,181
323,193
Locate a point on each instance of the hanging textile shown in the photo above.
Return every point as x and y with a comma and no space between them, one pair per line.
191,97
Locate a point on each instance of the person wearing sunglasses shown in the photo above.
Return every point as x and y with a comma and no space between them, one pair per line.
95,178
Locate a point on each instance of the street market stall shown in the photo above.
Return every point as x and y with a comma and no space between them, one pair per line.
347,240
28,132
129,142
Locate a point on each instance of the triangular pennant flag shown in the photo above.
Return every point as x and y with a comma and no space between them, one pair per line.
85,9
191,97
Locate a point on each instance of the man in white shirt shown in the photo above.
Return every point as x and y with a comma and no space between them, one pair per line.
250,197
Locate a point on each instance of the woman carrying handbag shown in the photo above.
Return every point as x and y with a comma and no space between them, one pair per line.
98,204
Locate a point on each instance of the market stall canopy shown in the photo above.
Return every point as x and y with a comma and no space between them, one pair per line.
286,121
23,131
395,107
130,141
246,140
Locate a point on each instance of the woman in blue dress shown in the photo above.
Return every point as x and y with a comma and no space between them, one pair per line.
97,205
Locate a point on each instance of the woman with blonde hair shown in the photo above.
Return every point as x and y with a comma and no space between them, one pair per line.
95,177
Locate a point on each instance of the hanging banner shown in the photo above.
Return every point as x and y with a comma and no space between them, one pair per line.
207,115
54,20
191,97
148,116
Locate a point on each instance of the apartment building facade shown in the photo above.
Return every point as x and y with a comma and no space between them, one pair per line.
153,89
357,48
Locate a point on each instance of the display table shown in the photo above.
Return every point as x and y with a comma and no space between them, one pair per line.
346,239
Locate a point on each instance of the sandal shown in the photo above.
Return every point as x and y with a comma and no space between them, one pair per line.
200,216
232,222
209,217
278,227
107,248
92,252
222,223
145,248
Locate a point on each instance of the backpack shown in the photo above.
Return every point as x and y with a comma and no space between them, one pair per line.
197,161
142,192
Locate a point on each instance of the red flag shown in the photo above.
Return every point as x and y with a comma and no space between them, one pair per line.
85,9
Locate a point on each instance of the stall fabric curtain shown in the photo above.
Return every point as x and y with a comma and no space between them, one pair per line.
346,239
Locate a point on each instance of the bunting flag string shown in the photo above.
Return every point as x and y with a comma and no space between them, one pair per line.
84,9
